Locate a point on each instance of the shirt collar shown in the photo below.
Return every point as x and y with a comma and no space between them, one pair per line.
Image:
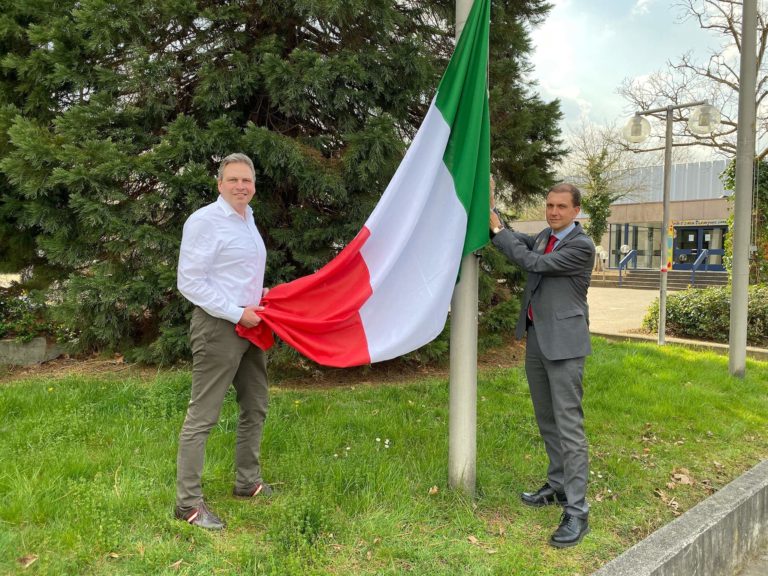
564,232
228,210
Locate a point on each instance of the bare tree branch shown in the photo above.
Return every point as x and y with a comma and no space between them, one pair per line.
715,80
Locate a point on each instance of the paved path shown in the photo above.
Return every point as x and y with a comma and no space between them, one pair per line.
618,310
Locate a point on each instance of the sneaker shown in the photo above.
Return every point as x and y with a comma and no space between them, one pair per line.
255,489
199,516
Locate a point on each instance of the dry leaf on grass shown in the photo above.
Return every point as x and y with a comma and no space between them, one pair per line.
682,476
474,541
27,561
434,490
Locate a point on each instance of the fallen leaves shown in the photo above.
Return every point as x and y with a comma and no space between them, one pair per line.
671,503
605,494
707,485
434,490
649,436
645,459
719,469
679,477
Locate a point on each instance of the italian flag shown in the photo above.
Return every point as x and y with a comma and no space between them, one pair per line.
388,292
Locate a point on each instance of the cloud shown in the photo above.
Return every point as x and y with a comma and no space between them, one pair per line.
585,50
641,7
562,90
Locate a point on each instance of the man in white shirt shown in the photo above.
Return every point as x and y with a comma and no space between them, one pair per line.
221,271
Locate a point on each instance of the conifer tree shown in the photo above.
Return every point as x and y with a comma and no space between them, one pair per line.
114,116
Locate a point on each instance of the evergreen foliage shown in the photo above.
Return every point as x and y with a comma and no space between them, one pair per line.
114,115
758,260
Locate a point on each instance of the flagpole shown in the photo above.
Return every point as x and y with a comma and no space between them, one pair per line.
462,404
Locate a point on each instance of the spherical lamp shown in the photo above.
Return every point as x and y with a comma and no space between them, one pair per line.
637,129
704,120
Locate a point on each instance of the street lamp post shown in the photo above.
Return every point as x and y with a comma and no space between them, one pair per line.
702,121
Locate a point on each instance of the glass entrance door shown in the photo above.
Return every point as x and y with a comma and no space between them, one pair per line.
691,240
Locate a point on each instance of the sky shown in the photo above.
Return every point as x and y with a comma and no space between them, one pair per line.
585,48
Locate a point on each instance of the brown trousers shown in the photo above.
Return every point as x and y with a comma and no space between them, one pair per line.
219,358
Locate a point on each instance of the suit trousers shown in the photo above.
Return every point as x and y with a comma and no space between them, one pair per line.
219,358
557,391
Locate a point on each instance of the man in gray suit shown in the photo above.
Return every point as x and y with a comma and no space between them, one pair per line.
555,315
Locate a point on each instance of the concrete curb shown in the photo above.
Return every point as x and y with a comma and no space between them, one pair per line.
714,538
752,352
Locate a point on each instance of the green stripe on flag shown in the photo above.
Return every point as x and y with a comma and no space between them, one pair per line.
462,99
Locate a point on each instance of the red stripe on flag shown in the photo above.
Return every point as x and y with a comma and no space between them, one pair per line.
319,315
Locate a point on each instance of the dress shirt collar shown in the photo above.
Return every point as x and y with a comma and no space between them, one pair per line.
564,232
229,211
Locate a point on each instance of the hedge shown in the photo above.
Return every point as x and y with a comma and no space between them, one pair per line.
704,314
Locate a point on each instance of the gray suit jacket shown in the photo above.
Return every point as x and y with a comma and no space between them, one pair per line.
556,288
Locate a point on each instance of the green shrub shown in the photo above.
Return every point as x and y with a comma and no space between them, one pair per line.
23,315
705,314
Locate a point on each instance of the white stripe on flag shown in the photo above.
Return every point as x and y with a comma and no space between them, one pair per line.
414,251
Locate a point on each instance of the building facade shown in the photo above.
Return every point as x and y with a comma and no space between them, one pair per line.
699,211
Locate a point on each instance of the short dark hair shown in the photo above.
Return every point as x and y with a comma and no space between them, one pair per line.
236,158
565,187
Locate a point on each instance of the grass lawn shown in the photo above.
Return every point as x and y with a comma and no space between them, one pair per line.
87,470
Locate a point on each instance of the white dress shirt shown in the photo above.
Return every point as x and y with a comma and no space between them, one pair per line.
222,260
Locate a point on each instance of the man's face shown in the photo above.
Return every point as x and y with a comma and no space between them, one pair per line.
236,186
560,210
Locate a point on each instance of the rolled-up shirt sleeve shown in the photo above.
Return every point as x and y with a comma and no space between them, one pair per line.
196,258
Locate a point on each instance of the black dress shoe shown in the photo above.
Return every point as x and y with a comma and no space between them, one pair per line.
544,496
570,532
200,516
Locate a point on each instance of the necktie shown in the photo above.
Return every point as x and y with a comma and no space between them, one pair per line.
547,250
